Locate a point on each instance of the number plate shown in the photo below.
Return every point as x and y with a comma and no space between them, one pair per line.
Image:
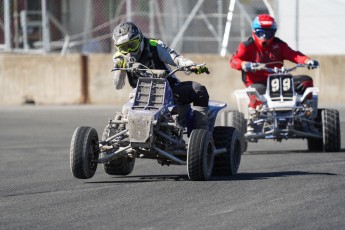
281,86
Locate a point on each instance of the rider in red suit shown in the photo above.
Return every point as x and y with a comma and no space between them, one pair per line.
264,47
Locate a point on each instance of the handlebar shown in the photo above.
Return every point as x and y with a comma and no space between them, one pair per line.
263,66
186,68
140,68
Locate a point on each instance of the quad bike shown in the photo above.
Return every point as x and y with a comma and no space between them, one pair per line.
285,114
149,127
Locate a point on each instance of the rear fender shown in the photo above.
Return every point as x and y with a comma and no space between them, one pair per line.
214,108
242,99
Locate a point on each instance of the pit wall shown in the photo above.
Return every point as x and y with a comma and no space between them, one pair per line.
76,79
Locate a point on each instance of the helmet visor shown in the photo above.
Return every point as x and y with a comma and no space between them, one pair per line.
265,33
130,46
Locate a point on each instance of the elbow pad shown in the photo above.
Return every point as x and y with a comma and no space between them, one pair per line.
119,79
182,61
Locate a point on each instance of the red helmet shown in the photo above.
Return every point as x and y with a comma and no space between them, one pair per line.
264,29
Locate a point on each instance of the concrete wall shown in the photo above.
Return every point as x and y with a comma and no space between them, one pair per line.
50,79
100,87
56,79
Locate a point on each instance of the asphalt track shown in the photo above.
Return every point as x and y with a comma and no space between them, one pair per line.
279,185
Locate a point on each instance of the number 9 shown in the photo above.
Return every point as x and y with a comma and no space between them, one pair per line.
275,85
286,84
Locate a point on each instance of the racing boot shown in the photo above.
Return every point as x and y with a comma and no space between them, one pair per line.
200,117
182,111
250,127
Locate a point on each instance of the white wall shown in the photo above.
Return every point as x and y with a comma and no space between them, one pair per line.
321,25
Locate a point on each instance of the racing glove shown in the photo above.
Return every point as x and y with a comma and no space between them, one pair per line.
120,62
312,64
200,70
247,67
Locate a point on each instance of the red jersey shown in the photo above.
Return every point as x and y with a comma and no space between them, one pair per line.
277,51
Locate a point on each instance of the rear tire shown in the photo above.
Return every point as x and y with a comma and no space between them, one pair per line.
236,119
84,151
331,130
228,163
200,155
122,166
315,145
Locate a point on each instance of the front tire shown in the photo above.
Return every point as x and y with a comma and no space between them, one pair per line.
331,130
84,151
200,155
228,163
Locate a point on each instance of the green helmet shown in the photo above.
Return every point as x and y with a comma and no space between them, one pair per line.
128,39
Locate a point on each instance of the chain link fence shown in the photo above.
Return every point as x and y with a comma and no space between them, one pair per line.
2,25
68,26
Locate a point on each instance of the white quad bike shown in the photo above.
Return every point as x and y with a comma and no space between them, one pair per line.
285,114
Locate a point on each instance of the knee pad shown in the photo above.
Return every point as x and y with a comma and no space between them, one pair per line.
201,98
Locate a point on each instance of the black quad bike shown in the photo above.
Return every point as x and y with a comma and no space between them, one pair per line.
149,127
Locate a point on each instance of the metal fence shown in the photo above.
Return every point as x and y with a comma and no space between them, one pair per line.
66,26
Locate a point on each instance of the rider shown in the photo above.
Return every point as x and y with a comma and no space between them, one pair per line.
132,45
264,47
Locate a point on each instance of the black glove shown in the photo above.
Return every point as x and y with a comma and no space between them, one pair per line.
312,64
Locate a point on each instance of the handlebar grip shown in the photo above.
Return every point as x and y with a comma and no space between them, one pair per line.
261,66
258,66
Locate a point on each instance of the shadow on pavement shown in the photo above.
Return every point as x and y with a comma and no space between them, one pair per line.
240,176
263,152
268,175
143,178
